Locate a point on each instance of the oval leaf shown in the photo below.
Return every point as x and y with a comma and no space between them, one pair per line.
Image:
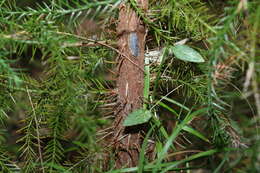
186,53
138,116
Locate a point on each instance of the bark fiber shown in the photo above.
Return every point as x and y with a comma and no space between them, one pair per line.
131,41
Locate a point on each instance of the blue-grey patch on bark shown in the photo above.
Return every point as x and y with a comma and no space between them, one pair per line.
133,43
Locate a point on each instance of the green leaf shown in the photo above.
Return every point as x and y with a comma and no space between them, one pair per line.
138,116
186,53
195,132
176,103
176,132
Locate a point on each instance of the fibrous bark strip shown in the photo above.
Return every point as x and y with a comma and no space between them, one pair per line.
131,40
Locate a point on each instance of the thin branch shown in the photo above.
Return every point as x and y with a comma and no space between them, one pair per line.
102,43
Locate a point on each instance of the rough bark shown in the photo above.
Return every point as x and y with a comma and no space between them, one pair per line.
131,41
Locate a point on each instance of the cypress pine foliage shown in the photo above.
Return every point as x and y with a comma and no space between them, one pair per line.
55,86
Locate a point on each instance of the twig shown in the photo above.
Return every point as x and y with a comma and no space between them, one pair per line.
102,43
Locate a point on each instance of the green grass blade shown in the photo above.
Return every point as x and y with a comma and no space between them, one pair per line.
174,135
142,153
168,108
167,166
146,82
195,133
193,157
176,103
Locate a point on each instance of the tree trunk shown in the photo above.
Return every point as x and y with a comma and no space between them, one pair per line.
131,32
